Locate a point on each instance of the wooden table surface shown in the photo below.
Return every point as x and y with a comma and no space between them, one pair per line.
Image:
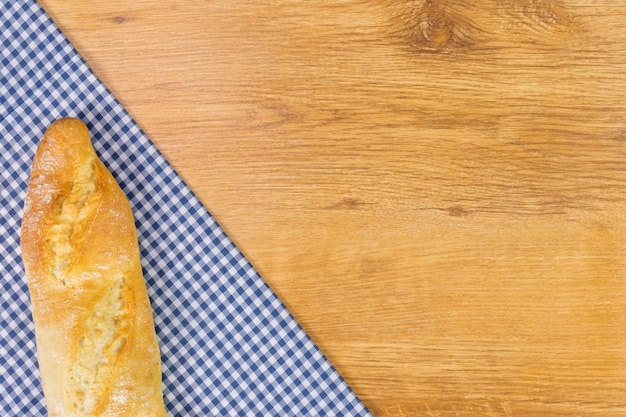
436,189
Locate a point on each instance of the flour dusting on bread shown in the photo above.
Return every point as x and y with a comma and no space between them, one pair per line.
68,224
104,335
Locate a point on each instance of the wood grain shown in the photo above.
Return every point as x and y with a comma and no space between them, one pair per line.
434,188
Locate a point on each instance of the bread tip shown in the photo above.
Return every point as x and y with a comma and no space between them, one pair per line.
67,123
69,136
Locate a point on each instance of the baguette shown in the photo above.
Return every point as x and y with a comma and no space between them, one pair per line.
96,343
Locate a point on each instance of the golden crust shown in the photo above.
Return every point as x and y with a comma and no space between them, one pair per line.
97,348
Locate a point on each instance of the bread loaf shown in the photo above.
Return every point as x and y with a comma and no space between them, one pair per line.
96,342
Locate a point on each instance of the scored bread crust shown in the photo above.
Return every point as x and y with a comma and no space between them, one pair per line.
96,343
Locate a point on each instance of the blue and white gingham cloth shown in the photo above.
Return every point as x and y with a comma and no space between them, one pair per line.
229,347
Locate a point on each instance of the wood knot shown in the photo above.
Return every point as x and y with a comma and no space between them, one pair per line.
546,21
119,19
437,30
457,211
347,204
437,26
545,12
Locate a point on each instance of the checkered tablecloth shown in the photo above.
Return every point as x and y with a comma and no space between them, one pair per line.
229,347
